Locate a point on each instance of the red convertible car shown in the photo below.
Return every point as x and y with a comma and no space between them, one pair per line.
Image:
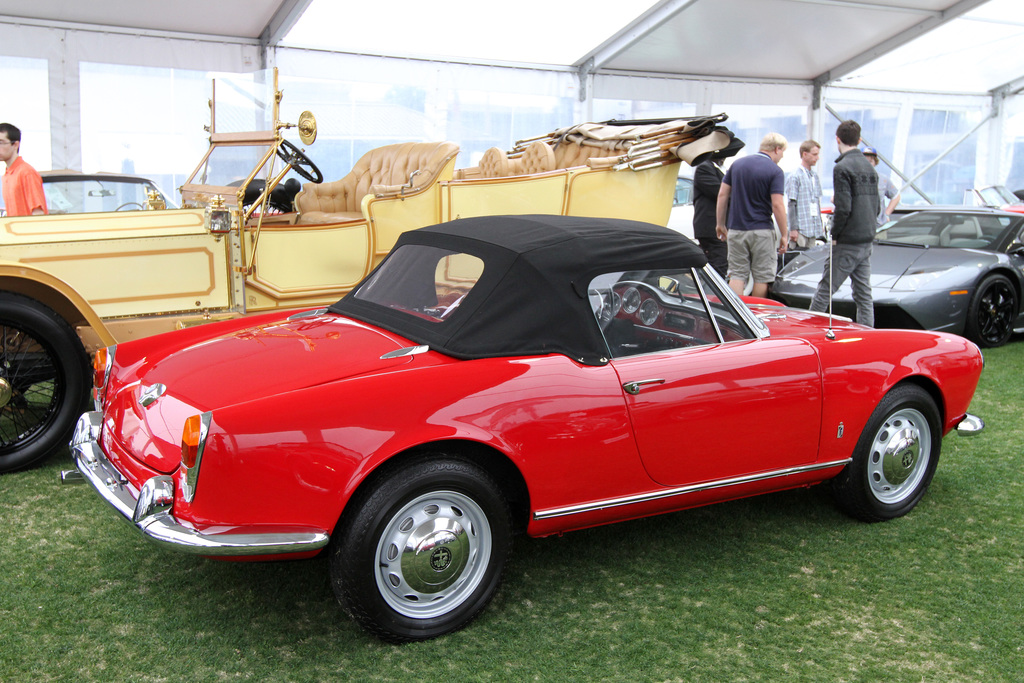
506,374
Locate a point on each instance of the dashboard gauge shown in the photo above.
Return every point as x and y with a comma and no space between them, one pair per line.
631,300
614,303
649,311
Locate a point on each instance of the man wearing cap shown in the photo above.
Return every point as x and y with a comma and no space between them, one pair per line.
886,190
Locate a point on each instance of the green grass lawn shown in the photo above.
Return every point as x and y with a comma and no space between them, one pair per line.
765,589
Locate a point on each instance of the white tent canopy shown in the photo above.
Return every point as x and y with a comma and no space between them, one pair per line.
770,63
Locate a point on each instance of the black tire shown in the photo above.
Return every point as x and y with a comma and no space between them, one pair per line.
992,312
895,457
44,381
423,551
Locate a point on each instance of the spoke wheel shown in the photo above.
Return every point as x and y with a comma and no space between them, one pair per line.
43,381
992,312
895,457
422,549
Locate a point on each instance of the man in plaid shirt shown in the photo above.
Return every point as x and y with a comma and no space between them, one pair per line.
803,190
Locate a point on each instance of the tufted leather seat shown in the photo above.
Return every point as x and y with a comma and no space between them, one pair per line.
538,158
393,169
495,164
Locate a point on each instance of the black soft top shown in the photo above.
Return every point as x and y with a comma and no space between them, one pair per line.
532,296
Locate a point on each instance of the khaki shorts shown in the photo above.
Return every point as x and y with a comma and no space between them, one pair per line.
753,253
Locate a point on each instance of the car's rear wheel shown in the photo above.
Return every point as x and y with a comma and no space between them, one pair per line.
992,312
423,551
44,381
895,457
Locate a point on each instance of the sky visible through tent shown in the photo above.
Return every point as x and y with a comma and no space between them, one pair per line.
977,53
974,53
526,31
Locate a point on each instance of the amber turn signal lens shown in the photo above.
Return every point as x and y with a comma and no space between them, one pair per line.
99,367
190,437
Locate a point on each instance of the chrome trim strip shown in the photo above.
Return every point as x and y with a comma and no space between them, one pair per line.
970,425
725,292
707,304
151,513
188,488
407,351
150,394
683,490
307,314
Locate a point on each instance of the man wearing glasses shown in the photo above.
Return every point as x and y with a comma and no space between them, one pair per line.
22,186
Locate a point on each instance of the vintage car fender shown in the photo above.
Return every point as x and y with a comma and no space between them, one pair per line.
861,378
54,293
300,456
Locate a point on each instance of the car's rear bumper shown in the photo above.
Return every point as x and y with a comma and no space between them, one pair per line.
150,509
970,425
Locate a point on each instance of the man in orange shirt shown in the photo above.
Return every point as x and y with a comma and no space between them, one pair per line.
22,186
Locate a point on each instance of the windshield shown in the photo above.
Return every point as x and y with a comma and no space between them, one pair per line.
957,230
230,165
91,194
243,102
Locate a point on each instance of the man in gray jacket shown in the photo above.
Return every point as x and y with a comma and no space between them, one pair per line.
855,184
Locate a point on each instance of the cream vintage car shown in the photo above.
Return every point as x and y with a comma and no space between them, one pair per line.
250,238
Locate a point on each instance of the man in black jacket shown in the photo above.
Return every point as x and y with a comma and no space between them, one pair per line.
855,184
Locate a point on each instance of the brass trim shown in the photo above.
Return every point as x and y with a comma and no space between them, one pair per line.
210,256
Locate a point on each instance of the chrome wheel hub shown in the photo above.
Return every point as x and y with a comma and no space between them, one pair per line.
899,456
433,554
6,392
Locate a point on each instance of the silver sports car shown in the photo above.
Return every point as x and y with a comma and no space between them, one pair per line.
958,270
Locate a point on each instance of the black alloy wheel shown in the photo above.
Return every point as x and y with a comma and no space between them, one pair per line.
992,312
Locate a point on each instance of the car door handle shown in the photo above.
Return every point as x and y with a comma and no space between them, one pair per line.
633,388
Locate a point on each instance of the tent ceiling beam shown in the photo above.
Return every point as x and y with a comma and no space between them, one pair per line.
933,20
287,14
632,33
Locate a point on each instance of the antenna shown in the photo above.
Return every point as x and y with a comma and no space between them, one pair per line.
830,334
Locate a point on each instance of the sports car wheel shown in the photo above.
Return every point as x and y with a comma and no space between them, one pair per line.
992,312
44,381
423,551
895,457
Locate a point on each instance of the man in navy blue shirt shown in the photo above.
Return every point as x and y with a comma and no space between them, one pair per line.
753,191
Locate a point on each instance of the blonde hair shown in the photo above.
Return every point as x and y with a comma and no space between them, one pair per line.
773,141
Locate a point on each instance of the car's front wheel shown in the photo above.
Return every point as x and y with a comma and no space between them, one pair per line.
992,312
423,551
44,381
895,457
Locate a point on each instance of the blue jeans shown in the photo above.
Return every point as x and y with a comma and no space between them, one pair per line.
851,261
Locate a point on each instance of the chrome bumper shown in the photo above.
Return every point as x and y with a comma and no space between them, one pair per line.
970,425
150,509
